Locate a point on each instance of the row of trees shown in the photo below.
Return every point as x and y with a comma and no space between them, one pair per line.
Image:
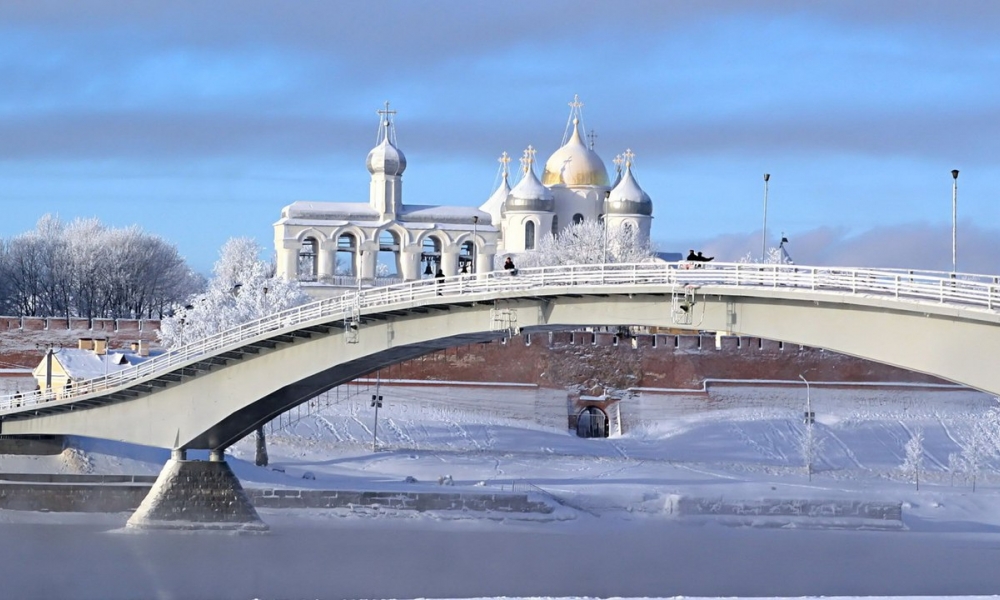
86,269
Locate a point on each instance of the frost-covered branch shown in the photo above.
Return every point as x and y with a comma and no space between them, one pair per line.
586,243
243,288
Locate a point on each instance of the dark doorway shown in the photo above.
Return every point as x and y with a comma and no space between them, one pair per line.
592,423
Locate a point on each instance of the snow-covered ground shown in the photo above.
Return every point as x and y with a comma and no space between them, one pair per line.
612,534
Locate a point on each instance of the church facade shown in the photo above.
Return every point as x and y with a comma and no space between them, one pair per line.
329,246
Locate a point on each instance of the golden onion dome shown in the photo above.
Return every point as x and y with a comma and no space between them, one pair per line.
575,164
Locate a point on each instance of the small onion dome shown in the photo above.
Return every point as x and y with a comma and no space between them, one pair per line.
494,205
386,158
627,198
529,194
575,164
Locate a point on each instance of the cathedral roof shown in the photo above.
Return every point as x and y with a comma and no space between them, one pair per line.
575,164
627,198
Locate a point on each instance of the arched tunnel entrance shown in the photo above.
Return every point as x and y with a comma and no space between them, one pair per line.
592,422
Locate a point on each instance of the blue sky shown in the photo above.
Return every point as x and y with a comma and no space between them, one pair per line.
200,121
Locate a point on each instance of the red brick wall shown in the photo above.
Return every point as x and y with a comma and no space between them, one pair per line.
675,362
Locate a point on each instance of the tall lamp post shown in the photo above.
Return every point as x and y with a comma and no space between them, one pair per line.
475,243
954,221
763,236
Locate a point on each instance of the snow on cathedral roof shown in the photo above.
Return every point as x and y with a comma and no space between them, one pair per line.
317,213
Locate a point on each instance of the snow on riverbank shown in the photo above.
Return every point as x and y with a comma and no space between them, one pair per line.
614,534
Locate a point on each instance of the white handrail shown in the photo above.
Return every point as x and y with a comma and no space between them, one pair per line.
958,289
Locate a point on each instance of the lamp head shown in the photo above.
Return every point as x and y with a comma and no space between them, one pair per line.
954,174
767,177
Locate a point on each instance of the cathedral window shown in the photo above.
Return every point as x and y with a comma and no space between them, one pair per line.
529,235
577,219
555,224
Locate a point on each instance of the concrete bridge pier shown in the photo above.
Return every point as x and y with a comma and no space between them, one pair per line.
197,494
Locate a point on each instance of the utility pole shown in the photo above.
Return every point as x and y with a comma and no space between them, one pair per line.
954,221
763,235
377,403
475,243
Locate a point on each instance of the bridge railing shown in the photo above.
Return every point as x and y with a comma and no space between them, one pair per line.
961,290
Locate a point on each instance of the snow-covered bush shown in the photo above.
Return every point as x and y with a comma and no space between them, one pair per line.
244,288
775,256
809,448
585,243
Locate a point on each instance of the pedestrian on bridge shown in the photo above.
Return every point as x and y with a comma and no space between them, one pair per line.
508,266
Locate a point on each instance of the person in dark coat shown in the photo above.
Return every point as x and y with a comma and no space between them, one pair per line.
508,266
703,258
691,255
439,276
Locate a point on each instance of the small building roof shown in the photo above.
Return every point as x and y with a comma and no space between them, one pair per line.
86,364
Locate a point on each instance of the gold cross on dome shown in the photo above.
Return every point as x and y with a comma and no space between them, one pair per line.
629,156
618,162
504,160
576,104
529,158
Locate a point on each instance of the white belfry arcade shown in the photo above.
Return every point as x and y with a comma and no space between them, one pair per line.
330,246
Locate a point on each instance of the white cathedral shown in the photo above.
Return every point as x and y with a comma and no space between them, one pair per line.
333,245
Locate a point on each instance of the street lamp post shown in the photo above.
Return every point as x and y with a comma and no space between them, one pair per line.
954,221
604,221
810,417
475,242
763,235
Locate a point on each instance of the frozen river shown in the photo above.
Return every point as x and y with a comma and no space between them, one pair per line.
325,556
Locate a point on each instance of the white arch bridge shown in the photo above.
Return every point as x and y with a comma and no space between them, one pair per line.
210,393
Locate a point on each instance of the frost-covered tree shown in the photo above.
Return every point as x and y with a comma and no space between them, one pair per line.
979,446
809,448
86,269
243,288
587,242
955,465
913,461
774,256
